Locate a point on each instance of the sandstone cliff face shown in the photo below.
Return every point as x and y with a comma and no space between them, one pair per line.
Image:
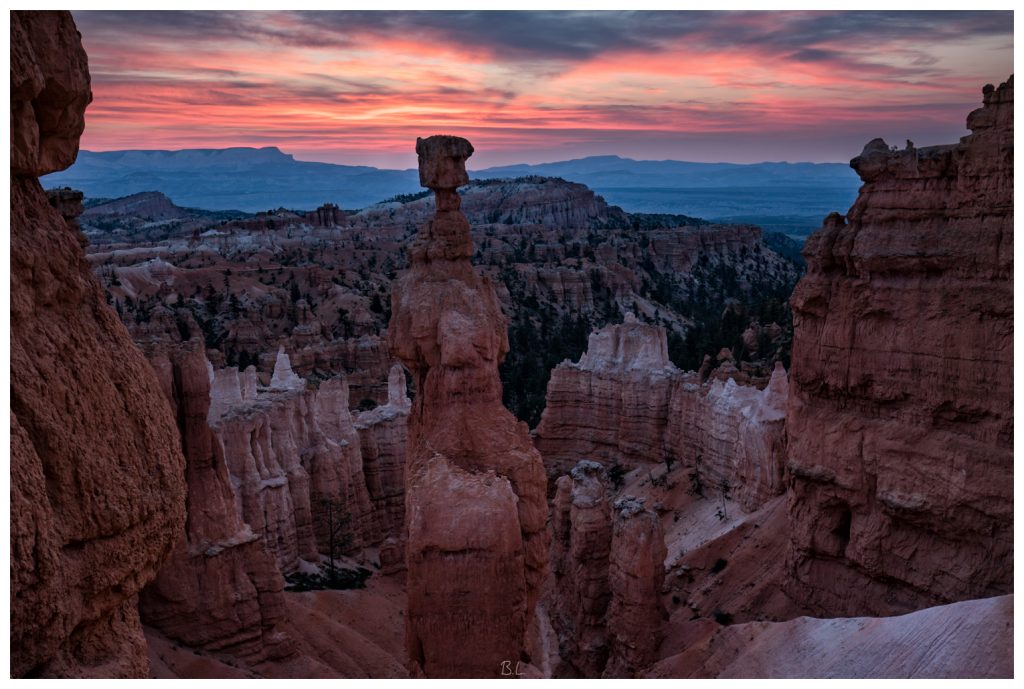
900,412
625,403
97,480
289,450
612,406
383,438
475,486
220,590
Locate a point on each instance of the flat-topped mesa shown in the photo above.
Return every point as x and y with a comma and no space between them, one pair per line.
473,583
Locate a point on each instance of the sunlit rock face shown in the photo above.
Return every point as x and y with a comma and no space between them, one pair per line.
97,475
475,486
900,408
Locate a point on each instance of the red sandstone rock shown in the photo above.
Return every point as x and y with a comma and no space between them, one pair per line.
220,591
582,526
900,412
475,507
97,481
288,450
636,573
50,89
383,437
625,403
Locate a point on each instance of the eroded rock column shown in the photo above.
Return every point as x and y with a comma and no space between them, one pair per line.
475,500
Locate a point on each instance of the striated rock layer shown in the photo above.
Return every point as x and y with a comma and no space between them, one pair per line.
294,459
625,403
220,590
383,437
97,481
475,486
900,412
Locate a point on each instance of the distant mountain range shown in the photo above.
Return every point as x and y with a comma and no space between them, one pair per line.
788,197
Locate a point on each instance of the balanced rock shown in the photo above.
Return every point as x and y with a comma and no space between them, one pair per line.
475,502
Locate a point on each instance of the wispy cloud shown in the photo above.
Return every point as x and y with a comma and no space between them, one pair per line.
526,85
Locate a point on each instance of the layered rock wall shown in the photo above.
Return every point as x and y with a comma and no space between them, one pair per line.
383,438
97,475
900,412
290,451
625,403
220,590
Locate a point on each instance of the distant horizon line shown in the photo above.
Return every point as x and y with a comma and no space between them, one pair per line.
490,167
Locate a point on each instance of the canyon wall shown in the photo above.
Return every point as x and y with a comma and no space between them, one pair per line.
97,475
220,590
475,487
295,460
900,410
625,403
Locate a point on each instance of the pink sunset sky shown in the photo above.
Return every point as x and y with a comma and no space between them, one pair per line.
359,87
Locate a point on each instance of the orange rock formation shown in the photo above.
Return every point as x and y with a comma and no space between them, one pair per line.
97,480
900,412
475,486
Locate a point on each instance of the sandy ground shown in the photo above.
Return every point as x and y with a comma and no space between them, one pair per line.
357,633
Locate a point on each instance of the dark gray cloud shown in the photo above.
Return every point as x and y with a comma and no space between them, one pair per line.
562,36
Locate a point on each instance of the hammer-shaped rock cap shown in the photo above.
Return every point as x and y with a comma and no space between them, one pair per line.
443,161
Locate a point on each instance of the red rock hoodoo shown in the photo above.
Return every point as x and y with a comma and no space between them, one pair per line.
475,486
900,412
221,590
97,479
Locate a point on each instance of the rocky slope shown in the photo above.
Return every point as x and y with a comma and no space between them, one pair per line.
475,490
900,412
97,479
959,640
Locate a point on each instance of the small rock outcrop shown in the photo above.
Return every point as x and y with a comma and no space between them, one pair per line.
900,417
97,475
475,501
